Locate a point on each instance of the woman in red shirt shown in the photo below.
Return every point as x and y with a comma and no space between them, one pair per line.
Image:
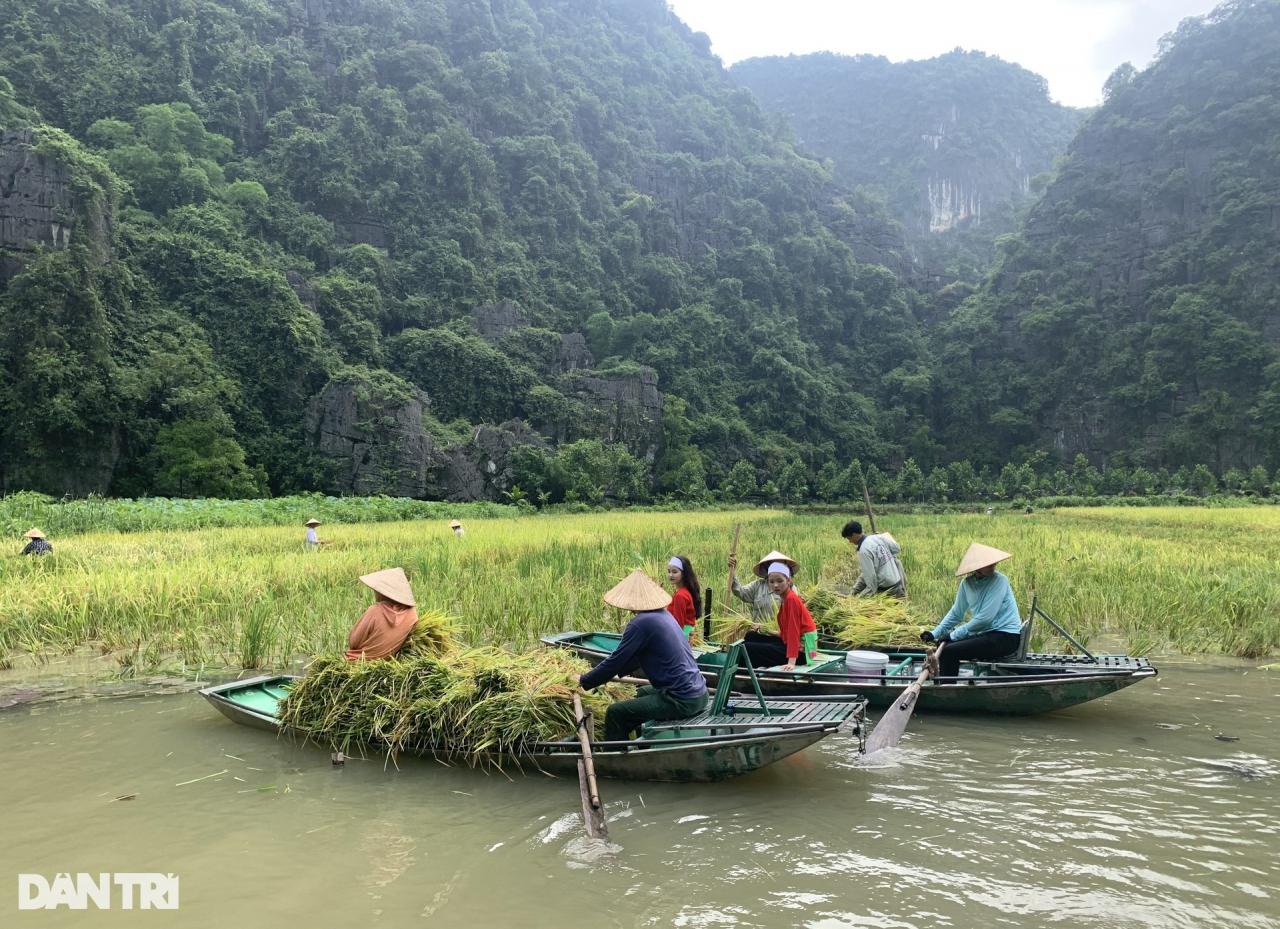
687,593
797,638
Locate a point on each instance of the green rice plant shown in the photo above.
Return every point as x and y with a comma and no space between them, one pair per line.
1174,580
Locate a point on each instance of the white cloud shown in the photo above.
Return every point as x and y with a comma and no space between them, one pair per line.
1074,44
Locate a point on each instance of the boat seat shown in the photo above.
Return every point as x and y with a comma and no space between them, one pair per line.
747,714
825,662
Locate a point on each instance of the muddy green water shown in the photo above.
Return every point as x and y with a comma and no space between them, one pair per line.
1126,813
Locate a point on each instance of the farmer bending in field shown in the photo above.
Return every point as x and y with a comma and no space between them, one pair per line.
652,640
878,561
37,544
994,627
383,628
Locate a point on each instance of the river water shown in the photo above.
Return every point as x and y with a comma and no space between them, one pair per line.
1125,813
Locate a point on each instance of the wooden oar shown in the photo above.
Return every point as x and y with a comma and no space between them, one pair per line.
894,721
866,498
733,556
592,808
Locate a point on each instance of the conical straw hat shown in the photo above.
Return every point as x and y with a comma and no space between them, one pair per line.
455,524
979,556
392,584
637,592
762,566
312,522
34,534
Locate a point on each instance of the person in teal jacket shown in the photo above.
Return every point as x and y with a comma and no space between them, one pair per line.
994,627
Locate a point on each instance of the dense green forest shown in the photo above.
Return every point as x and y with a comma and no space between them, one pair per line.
511,249
953,146
1135,317
306,210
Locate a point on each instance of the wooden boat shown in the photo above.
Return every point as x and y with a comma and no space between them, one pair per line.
1020,689
1023,661
736,735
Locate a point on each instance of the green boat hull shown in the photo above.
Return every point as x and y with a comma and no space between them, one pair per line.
989,688
685,752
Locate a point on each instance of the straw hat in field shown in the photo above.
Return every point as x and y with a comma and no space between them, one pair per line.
762,566
454,524
312,522
392,584
637,592
980,556
34,534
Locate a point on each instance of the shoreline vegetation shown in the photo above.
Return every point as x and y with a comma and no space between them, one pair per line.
59,518
1149,580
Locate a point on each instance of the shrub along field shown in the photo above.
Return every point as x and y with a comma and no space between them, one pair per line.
1149,580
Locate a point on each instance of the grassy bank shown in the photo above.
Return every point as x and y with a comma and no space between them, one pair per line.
59,518
1158,579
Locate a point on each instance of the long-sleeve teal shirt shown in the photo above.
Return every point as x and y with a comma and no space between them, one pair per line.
991,602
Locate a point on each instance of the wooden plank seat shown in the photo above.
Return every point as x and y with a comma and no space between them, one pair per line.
747,714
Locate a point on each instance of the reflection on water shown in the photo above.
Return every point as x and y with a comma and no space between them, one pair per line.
1098,816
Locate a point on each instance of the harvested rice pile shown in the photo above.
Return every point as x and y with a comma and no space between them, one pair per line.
726,629
863,621
444,700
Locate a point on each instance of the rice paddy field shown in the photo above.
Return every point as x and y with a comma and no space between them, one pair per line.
1147,581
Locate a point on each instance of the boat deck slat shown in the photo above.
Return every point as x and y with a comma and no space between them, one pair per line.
747,713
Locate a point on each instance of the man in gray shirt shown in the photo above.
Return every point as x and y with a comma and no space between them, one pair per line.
879,563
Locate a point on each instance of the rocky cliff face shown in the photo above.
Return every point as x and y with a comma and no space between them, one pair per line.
480,469
626,409
37,207
951,143
373,438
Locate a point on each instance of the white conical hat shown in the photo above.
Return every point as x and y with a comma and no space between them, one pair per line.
34,534
392,584
762,566
979,556
637,592
312,522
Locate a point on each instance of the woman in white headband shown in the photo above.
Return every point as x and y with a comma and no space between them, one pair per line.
798,633
686,594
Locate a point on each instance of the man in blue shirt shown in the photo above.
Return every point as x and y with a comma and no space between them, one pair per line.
654,641
994,626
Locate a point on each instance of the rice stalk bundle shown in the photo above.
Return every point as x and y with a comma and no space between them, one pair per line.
461,702
435,634
880,621
731,627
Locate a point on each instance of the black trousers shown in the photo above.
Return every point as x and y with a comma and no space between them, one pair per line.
766,650
976,648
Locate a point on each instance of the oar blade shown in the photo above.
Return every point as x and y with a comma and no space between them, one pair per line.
888,731
893,723
592,816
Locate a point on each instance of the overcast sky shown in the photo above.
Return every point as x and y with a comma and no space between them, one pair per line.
1074,44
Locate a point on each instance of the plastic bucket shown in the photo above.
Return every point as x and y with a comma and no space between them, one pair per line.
866,665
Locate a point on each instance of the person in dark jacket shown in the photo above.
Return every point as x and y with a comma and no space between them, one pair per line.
37,544
653,641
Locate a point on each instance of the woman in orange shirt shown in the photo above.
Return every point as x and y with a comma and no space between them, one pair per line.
382,630
687,593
